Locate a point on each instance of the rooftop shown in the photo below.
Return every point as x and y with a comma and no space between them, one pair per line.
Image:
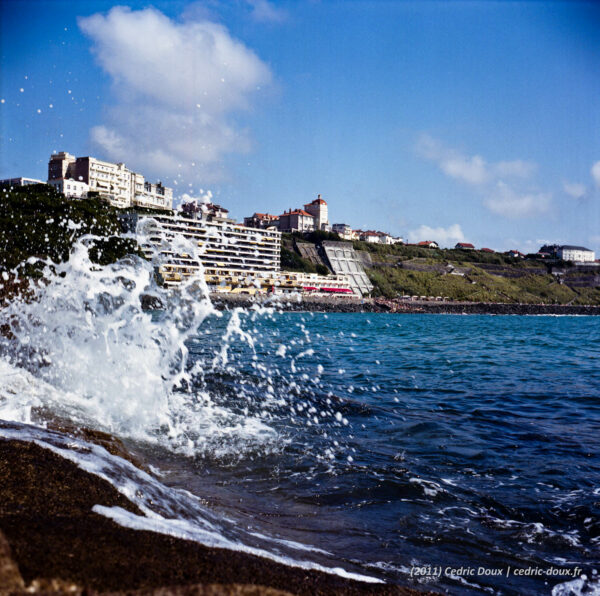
296,212
570,247
317,201
265,216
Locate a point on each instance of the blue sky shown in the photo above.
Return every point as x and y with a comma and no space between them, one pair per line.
470,121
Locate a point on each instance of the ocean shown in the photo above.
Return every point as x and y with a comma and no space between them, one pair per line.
445,452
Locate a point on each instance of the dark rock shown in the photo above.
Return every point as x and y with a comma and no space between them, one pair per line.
46,515
10,578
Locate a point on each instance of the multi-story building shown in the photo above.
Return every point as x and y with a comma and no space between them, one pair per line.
313,217
153,196
10,182
576,254
375,237
370,236
262,220
344,231
318,209
119,185
73,189
232,257
566,252
210,210
296,221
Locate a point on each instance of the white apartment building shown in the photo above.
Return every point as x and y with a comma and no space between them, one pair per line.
11,182
370,236
576,254
387,239
232,256
73,189
122,187
344,231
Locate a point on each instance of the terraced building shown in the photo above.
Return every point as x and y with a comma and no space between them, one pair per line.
233,257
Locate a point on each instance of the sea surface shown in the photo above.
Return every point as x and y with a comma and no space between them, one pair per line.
447,452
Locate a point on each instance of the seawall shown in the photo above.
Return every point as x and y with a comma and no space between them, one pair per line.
346,304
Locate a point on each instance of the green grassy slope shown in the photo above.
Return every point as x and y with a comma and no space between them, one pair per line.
488,277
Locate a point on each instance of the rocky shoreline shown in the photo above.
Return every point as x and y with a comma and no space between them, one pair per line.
382,305
51,542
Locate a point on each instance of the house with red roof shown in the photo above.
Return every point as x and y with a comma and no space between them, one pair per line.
428,244
314,216
262,221
370,236
318,209
296,220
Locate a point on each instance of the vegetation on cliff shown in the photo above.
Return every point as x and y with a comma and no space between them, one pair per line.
475,276
462,275
37,221
290,260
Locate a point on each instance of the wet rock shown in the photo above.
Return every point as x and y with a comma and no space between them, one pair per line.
10,578
207,590
46,515
111,443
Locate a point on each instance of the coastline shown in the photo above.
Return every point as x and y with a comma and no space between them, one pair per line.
52,542
382,305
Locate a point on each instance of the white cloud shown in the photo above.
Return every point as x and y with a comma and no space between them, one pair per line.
201,198
265,11
177,87
596,173
443,236
574,189
503,186
473,170
504,200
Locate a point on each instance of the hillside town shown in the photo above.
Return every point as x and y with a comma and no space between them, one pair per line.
244,258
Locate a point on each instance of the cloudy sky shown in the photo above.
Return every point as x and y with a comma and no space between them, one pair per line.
447,121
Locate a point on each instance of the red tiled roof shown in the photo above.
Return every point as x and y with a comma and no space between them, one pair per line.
426,242
317,201
266,216
464,245
487,250
297,212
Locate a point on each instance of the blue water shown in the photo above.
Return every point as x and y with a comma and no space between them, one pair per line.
415,440
445,452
